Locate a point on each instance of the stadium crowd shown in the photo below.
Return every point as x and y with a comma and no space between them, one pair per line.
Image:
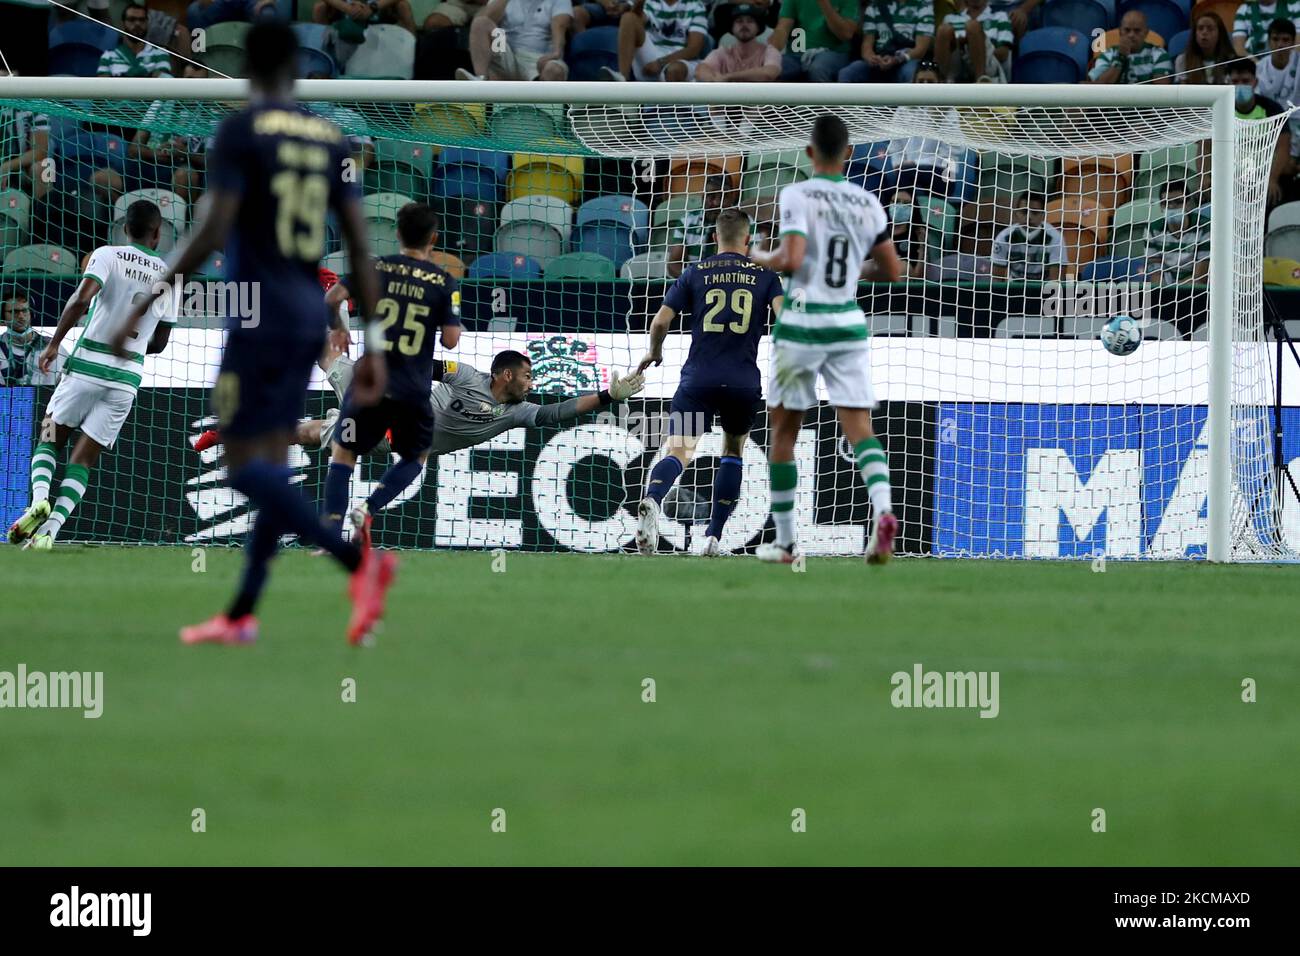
956,214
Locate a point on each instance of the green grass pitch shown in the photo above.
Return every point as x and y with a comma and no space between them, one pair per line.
522,691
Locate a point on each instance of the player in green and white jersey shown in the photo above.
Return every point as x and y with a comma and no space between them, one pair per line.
830,228
98,388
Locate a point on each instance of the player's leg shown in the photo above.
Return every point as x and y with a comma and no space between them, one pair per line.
76,478
848,384
411,438
736,413
791,391
688,418
356,432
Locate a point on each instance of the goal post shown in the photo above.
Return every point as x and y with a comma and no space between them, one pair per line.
1010,431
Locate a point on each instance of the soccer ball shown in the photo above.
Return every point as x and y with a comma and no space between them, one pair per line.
1121,335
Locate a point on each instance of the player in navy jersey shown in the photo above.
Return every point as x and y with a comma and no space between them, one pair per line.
729,299
274,173
417,302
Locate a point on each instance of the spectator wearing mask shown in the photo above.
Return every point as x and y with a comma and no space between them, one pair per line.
971,46
1252,106
1133,59
896,37
1030,248
1206,58
814,36
535,32
21,345
1178,244
661,40
908,230
748,60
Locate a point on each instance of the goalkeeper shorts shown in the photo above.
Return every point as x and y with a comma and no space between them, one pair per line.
845,371
97,409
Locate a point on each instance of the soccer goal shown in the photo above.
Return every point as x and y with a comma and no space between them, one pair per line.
1026,216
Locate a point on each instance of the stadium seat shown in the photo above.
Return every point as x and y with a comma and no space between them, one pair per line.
1287,214
587,266
338,263
74,59
1225,9
449,264
939,218
1129,227
1281,272
505,265
870,167
468,227
451,120
1082,15
382,207
646,267
1077,211
175,215
1178,43
555,213
1052,55
537,174
402,167
1113,270
215,266
387,54
494,160
591,51
225,53
1106,177
1165,17
89,32
612,241
315,50
530,237
461,181
383,238
54,260
690,175
1283,243
527,124
621,210
764,181
15,216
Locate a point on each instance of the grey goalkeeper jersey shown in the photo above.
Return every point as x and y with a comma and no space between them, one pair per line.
465,412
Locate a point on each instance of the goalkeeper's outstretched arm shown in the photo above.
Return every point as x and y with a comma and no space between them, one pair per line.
620,389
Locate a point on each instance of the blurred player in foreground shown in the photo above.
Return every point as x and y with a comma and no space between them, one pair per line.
829,228
729,299
275,172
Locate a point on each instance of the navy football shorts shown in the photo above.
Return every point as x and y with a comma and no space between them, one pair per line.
360,428
262,385
694,407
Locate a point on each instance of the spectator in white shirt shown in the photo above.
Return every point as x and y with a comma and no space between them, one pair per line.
535,32
1029,248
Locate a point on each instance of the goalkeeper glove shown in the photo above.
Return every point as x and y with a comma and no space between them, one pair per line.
624,387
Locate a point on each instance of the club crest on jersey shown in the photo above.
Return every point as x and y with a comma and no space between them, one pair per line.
564,364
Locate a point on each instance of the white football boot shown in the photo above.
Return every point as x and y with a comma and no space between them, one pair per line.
647,526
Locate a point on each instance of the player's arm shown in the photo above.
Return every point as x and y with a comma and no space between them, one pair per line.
788,255
621,388
883,265
73,310
334,298
162,333
659,327
369,373
449,334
